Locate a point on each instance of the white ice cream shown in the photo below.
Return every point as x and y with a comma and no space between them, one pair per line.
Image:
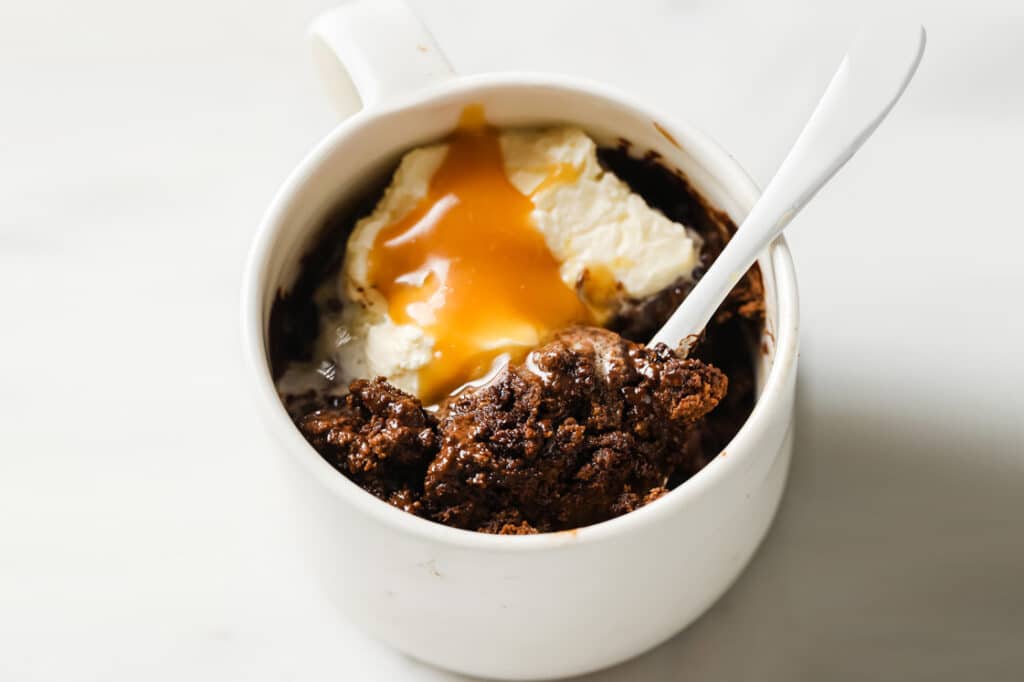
596,222
591,221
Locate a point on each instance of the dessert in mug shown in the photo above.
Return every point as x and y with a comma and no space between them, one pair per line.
469,348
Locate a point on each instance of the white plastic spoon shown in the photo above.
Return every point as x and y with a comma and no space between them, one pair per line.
869,81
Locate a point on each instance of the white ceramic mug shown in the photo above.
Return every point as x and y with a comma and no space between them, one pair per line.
539,606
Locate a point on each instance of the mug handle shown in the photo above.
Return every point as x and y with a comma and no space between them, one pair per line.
369,51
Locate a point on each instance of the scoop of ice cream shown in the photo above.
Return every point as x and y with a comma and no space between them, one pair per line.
605,246
603,234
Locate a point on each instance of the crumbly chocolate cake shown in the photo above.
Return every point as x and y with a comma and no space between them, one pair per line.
592,425
589,427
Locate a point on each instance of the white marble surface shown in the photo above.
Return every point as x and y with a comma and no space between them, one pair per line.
142,533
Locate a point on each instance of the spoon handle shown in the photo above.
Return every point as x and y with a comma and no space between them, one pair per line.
863,90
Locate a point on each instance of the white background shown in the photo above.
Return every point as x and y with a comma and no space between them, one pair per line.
142,532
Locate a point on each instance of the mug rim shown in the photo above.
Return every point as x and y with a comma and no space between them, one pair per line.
707,154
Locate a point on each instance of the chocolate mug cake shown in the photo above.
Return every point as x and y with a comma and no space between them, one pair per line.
469,348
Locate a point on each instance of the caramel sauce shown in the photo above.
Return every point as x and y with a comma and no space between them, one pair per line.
598,289
468,266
